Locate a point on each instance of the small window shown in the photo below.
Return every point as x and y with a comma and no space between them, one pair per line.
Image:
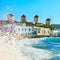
29,29
38,31
22,29
25,29
18,29
44,31
48,31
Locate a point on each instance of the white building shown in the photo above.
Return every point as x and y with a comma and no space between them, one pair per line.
16,29
13,29
42,31
55,32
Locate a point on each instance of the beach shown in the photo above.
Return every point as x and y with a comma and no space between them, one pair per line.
12,49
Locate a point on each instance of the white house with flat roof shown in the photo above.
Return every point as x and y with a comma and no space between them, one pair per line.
16,29
56,33
42,31
13,29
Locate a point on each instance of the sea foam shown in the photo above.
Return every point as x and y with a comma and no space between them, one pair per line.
11,49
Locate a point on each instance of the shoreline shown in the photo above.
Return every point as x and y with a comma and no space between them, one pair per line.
12,48
20,37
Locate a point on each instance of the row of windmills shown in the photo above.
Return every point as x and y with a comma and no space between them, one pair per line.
10,19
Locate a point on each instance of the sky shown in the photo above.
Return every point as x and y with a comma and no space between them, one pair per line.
43,8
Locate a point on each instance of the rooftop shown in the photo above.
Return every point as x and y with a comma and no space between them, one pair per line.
36,16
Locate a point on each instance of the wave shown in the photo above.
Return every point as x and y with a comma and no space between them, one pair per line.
11,49
27,49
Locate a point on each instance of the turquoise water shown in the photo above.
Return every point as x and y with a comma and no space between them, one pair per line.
40,48
51,44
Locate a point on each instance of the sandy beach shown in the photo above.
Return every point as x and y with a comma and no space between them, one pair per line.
12,49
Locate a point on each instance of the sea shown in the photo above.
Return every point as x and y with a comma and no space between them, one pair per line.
46,48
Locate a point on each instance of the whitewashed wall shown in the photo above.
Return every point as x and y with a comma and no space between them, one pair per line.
55,32
42,31
16,29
